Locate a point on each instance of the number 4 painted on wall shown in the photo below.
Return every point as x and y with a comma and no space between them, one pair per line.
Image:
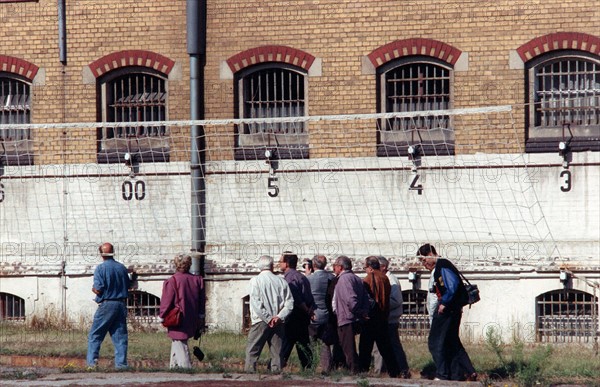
414,186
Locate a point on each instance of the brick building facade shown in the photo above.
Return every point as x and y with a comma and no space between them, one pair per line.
340,56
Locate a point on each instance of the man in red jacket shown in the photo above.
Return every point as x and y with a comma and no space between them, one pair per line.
375,328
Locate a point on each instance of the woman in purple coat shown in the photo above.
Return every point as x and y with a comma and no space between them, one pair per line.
187,291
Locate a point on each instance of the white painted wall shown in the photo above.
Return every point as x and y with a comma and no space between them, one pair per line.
489,217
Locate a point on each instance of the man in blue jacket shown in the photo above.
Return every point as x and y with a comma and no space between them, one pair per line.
444,342
111,285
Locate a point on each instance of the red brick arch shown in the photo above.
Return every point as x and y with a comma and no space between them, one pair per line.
559,41
18,66
414,46
270,53
131,58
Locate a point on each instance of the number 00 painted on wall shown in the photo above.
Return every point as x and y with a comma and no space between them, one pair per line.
129,190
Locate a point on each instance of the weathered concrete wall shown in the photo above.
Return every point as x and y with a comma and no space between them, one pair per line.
500,226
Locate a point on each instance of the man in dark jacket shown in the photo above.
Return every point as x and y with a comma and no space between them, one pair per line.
296,327
444,341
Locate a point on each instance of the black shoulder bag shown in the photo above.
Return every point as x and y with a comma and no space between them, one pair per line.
472,291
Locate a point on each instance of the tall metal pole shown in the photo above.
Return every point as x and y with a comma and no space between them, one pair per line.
62,32
196,46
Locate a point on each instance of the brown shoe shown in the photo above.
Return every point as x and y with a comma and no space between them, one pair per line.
472,377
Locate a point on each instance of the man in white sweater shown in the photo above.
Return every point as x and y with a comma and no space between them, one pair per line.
271,302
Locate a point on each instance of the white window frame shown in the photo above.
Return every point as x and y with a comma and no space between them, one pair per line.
272,135
154,105
556,130
15,108
413,131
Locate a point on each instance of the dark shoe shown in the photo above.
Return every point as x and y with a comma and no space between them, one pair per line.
198,353
472,377
405,374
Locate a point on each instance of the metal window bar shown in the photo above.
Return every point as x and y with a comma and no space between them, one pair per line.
568,91
136,97
414,322
15,108
274,93
12,308
143,306
566,316
416,87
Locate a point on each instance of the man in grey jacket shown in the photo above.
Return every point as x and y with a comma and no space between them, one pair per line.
351,306
271,302
320,327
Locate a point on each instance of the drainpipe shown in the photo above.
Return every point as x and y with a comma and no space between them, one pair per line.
62,32
62,57
196,46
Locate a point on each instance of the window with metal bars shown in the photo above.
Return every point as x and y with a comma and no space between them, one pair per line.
413,85
143,306
15,108
564,89
134,95
246,318
414,322
12,308
266,92
566,316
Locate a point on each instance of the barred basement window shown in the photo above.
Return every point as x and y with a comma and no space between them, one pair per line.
412,85
414,322
564,88
15,108
265,91
12,308
143,306
566,316
134,95
246,319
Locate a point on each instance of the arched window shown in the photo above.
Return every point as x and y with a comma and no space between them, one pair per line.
15,108
143,306
566,316
12,308
133,94
272,90
564,100
414,322
413,84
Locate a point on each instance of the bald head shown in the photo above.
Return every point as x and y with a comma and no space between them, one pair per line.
106,250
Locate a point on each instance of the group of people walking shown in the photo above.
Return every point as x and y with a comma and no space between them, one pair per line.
299,310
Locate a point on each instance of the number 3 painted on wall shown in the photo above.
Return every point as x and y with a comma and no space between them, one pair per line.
1,192
567,175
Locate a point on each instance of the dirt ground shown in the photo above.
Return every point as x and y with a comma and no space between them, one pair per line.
54,377
51,377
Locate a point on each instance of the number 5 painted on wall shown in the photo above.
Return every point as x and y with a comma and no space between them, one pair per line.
272,186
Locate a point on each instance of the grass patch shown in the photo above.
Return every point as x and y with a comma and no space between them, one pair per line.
517,362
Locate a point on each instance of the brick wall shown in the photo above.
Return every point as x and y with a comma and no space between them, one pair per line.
94,30
341,33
